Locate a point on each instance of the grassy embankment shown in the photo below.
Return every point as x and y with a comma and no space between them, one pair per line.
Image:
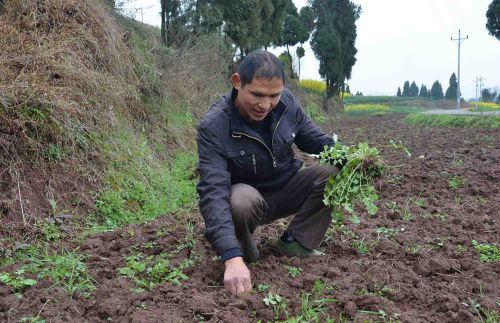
93,99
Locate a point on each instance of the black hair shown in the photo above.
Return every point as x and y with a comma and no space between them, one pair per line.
260,64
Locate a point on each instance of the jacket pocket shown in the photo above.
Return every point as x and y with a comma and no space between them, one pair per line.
242,163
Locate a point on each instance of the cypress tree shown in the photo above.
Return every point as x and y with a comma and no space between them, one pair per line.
451,92
399,91
406,89
437,91
413,89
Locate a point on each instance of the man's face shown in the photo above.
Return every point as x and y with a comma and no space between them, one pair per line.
256,99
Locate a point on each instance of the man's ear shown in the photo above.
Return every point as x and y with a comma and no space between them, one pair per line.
235,79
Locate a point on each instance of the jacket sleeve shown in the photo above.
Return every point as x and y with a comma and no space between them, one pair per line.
214,190
310,138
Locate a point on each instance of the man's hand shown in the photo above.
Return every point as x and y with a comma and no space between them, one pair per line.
237,276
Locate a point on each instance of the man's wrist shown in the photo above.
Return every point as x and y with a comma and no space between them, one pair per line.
231,253
234,261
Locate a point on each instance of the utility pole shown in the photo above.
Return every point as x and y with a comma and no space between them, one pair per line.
460,41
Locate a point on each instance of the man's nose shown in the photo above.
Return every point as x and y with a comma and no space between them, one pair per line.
265,103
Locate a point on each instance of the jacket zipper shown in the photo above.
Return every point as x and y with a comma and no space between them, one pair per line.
272,139
254,164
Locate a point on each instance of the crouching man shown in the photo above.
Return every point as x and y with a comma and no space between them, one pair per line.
249,175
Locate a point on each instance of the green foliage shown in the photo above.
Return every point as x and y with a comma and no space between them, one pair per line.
364,245
398,93
388,100
140,186
333,41
406,89
262,287
377,290
493,19
436,91
487,252
293,271
148,272
277,303
423,93
354,182
453,120
413,89
314,113
456,182
17,282
451,92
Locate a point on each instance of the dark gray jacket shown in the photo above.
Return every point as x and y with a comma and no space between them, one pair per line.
230,152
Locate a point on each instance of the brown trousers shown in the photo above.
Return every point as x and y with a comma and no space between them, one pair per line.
302,196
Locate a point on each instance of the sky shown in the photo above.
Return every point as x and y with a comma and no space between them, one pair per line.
401,40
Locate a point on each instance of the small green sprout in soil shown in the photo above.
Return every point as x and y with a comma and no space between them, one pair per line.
262,287
277,303
363,245
355,180
17,282
394,179
400,145
387,233
414,249
487,252
456,182
377,290
293,271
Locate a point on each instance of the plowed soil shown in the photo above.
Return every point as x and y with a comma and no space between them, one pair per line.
413,262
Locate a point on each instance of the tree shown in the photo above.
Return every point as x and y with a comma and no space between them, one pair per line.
489,95
406,89
300,53
493,19
348,90
358,93
423,91
206,16
272,14
437,91
413,89
399,92
451,91
243,23
296,27
333,41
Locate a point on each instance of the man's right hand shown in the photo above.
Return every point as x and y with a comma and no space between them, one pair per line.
237,276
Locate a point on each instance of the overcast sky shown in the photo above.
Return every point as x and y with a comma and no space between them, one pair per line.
401,40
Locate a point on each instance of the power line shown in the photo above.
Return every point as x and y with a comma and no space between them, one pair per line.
460,41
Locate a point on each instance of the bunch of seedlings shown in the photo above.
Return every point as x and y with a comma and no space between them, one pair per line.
360,166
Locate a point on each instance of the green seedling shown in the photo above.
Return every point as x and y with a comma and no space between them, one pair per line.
355,181
17,282
387,233
293,271
487,252
32,319
394,179
414,249
456,182
364,246
262,288
460,248
420,202
277,303
400,145
377,290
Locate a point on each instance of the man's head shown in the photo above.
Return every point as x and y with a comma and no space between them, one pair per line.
260,80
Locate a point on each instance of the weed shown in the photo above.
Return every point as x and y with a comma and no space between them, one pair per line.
387,233
393,206
364,246
354,182
460,248
400,145
17,282
457,162
456,182
277,303
50,231
414,249
406,214
420,202
487,252
140,187
262,288
376,290
314,113
293,271
394,179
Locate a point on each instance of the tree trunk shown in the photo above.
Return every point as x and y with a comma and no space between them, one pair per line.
163,15
291,63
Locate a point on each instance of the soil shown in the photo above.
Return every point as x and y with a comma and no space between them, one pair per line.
426,271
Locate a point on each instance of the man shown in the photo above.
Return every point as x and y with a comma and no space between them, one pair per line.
249,175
